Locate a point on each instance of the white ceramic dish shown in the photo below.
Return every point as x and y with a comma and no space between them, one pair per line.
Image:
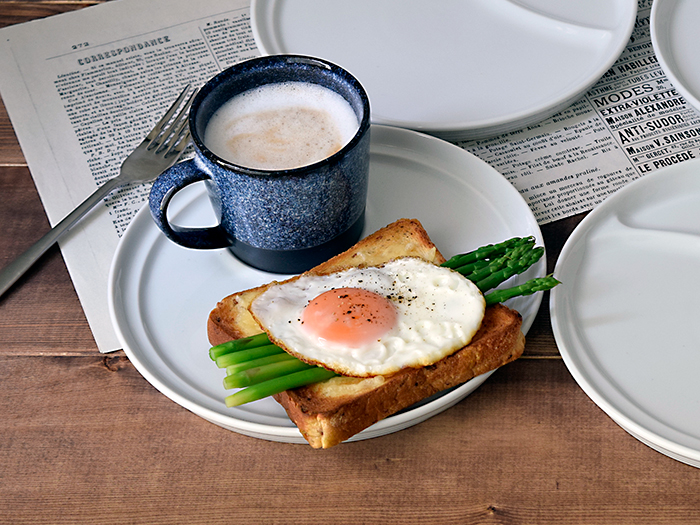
161,294
674,35
459,70
625,317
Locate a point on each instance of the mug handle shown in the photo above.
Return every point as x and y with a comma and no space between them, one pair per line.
164,188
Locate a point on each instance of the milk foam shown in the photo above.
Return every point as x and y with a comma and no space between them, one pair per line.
281,126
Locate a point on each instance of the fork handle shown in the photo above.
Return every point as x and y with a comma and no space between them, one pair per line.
13,271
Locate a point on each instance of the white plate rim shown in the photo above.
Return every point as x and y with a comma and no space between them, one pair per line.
488,127
291,434
571,352
658,30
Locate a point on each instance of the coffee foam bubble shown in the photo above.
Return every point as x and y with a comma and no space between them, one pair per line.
281,126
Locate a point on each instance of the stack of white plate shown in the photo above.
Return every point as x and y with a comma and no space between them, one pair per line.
458,70
626,315
674,35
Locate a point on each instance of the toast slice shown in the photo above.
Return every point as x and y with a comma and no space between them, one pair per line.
332,411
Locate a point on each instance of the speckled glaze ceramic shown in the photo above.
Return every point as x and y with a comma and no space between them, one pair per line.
284,221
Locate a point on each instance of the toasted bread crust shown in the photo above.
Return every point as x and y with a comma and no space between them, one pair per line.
332,411
326,419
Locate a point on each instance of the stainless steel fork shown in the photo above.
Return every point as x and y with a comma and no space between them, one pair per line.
161,148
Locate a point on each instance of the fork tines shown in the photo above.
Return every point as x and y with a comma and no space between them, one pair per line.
172,134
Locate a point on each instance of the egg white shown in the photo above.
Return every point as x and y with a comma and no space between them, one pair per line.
439,311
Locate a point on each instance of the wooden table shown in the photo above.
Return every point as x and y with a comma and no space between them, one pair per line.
86,439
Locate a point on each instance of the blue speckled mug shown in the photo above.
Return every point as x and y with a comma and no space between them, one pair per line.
282,221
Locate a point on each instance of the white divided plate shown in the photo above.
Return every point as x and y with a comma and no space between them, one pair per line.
161,294
459,70
625,317
674,35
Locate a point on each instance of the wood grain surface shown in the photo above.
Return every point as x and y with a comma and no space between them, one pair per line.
85,439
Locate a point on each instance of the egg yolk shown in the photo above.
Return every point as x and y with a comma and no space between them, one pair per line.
349,316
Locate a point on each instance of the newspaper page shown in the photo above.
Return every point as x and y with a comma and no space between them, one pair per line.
632,122
83,89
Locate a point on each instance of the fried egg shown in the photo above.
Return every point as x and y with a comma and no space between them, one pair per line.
375,320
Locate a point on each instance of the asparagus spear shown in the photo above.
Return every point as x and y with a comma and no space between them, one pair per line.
242,356
279,384
515,250
238,344
515,254
485,252
513,267
472,267
539,284
258,374
262,361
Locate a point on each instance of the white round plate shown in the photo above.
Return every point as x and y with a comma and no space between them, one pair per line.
625,317
459,70
161,294
674,35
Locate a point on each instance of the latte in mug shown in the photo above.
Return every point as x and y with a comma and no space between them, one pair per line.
281,126
285,163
